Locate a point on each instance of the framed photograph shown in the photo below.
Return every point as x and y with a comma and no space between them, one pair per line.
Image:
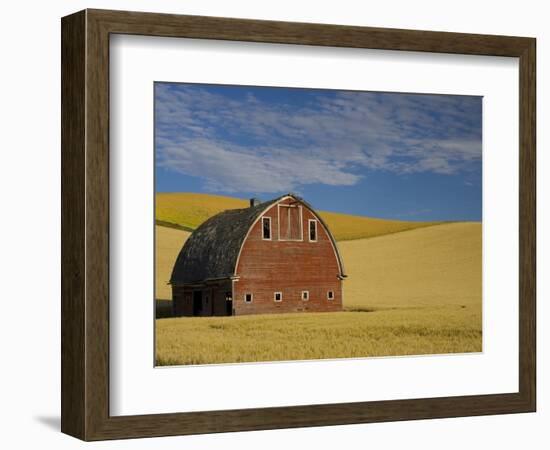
268,224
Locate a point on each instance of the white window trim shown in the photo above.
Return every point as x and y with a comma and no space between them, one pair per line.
329,297
308,230
270,229
251,297
283,205
275,297
307,296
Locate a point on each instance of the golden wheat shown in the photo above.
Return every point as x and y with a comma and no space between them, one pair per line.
207,340
416,292
168,243
433,266
189,210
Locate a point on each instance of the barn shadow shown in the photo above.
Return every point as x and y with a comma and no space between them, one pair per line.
163,308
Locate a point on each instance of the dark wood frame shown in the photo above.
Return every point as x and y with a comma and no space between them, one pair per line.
85,224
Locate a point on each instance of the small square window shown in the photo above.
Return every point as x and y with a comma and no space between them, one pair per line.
330,295
248,297
278,296
305,296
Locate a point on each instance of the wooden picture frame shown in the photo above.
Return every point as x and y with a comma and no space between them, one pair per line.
85,224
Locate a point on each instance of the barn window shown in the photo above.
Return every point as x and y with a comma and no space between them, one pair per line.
266,228
248,297
312,230
330,295
305,296
278,296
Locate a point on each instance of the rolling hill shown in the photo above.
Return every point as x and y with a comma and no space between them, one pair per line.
168,243
187,211
435,266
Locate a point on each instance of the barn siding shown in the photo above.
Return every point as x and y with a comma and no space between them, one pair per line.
290,267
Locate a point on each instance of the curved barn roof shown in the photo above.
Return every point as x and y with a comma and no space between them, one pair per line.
212,250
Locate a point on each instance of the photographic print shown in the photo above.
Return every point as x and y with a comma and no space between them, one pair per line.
302,224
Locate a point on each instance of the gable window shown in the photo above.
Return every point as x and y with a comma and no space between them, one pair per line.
248,297
305,296
330,295
278,296
312,230
266,228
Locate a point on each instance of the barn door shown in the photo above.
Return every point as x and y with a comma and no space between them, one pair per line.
290,222
197,303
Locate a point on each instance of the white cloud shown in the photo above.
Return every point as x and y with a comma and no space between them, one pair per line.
251,145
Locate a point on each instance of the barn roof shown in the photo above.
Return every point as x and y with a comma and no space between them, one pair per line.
212,250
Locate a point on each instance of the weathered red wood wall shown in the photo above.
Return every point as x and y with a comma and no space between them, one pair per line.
290,267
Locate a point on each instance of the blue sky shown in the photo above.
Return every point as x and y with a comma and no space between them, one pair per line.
391,155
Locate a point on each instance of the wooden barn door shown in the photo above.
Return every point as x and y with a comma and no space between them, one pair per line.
290,223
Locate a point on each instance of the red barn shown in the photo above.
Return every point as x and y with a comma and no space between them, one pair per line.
273,257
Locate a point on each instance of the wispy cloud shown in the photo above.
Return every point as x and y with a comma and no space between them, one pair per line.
238,139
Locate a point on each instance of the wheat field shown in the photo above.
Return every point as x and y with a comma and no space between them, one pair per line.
302,336
188,210
413,292
168,243
434,266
